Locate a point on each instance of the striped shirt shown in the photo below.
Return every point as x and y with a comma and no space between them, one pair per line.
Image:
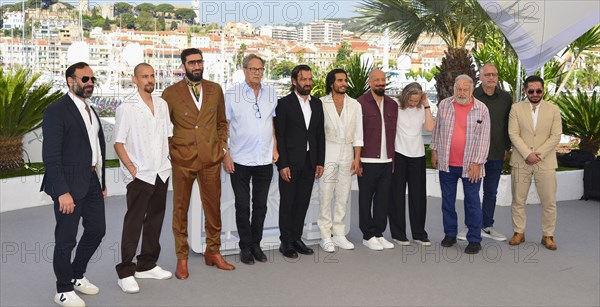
477,140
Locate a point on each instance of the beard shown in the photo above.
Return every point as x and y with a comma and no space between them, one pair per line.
379,91
535,99
462,100
149,88
340,90
85,92
304,90
194,76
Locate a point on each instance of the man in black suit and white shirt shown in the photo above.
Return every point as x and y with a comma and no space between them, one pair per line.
300,132
73,152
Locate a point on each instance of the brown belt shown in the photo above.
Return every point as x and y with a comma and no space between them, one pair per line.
93,168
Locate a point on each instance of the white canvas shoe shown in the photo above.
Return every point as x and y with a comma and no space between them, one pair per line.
155,273
490,232
85,286
129,285
462,235
385,243
342,242
373,244
70,299
327,245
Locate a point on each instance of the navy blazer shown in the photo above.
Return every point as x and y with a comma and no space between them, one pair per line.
292,135
66,150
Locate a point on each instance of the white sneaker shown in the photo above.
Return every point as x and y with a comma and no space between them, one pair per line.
129,285
85,286
155,273
342,242
327,245
68,299
402,242
490,232
462,235
373,244
385,243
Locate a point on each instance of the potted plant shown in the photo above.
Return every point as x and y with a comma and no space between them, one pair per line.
22,107
581,118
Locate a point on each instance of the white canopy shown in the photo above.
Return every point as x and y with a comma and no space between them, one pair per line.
538,30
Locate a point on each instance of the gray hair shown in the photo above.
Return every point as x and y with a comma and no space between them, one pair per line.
463,77
249,57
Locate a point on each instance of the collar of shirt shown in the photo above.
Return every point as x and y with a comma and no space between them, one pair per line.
80,103
247,88
301,99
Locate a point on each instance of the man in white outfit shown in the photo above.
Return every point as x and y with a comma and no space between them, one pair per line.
343,144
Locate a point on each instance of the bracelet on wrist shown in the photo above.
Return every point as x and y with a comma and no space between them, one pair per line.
427,107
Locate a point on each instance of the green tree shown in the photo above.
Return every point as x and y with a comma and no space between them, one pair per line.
239,57
146,7
186,15
122,8
343,53
358,74
588,41
22,107
127,20
106,25
165,8
456,21
174,25
145,22
283,69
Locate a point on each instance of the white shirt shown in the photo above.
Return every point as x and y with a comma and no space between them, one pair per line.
306,111
145,137
409,132
534,115
383,150
92,127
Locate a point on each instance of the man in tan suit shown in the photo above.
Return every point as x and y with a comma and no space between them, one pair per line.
198,145
534,128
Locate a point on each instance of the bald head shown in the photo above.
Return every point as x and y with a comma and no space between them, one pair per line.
377,82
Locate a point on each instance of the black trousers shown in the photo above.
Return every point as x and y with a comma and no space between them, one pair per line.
145,212
91,210
409,171
294,201
249,229
374,194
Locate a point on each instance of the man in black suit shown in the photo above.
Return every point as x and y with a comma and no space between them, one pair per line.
300,132
73,152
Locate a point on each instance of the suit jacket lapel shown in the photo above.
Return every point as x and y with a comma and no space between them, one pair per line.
297,108
335,118
77,115
187,99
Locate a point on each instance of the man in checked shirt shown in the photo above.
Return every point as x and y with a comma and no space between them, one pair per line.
460,143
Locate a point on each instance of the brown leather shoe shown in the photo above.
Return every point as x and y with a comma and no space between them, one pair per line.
548,242
218,260
182,270
517,238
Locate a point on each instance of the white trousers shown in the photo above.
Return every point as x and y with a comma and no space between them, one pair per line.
336,180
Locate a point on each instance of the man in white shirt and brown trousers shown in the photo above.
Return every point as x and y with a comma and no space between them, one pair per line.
141,142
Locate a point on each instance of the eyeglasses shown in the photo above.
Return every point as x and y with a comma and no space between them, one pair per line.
538,91
255,70
257,110
195,63
85,79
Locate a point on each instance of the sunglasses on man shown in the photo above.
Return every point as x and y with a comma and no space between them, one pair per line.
538,91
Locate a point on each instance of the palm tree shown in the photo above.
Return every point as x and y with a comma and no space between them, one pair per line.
358,74
456,21
21,110
588,41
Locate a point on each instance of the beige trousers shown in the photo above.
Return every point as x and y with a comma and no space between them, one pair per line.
545,183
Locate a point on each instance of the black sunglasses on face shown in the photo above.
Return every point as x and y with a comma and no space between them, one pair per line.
85,79
538,91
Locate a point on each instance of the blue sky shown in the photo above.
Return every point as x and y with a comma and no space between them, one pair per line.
257,12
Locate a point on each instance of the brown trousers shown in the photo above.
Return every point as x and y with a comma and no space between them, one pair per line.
209,181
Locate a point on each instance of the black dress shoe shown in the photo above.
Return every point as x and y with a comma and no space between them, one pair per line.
448,241
473,248
287,250
258,254
246,256
301,248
